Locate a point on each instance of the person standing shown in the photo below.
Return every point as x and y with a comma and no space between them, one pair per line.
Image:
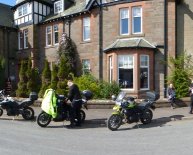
191,98
171,95
76,103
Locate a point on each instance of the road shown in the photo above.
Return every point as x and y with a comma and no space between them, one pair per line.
159,138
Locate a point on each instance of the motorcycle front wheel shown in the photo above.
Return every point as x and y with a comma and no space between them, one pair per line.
147,117
114,122
28,113
1,111
83,115
43,119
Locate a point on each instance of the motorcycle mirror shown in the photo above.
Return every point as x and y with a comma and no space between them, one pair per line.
113,97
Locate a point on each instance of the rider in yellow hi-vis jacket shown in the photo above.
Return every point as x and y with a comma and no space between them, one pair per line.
49,102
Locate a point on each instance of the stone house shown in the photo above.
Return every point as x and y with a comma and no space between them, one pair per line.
117,40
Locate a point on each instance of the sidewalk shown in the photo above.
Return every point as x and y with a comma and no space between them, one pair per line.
160,115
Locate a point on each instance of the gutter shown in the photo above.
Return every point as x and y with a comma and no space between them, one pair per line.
165,47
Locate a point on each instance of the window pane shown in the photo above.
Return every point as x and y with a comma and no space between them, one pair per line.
25,38
124,26
56,36
125,71
137,24
124,21
144,78
86,66
86,28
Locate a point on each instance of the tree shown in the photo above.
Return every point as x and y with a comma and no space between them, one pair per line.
2,71
46,78
54,77
63,73
181,73
22,85
67,49
33,78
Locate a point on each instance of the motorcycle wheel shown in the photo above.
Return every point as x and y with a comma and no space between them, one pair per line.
83,115
147,117
1,111
28,113
43,119
114,122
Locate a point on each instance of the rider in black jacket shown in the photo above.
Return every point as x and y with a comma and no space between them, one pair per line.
76,102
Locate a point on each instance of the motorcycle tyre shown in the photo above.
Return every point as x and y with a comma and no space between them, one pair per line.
83,116
115,125
1,111
147,117
25,114
46,118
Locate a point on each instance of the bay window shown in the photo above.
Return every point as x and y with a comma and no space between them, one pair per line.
144,71
125,71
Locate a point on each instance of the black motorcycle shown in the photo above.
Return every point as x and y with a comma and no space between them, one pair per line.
15,108
128,111
63,110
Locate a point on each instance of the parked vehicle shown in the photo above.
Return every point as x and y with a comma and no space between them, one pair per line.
128,111
62,109
15,108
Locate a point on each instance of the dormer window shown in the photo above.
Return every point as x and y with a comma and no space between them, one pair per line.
58,6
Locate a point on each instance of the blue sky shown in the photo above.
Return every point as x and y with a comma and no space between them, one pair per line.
8,2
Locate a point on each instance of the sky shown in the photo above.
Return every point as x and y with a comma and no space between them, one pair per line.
8,2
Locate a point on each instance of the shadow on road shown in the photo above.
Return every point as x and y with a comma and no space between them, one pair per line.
159,122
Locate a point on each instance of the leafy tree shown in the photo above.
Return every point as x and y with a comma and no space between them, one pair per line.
46,78
22,85
181,72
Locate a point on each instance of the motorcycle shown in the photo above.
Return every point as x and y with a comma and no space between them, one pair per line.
15,108
128,111
63,110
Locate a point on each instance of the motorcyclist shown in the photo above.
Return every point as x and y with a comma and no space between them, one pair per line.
76,103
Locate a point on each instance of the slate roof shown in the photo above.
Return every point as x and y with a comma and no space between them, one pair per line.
6,15
78,7
129,43
20,1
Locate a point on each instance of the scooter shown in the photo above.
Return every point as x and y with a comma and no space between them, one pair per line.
126,110
63,110
15,108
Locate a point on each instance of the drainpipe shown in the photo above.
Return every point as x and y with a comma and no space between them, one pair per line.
165,46
100,41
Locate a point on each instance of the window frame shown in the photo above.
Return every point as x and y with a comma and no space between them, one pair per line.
54,34
133,26
121,23
88,66
132,66
25,38
61,7
86,24
148,70
111,69
50,33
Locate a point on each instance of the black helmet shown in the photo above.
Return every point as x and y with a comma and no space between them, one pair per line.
87,94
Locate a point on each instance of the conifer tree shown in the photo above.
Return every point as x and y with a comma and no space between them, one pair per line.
22,85
54,77
46,78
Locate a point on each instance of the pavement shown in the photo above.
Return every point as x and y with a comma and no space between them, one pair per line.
160,115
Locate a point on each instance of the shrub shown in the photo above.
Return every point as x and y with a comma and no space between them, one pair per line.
100,89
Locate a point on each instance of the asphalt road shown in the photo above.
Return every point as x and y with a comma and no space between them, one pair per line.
159,138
